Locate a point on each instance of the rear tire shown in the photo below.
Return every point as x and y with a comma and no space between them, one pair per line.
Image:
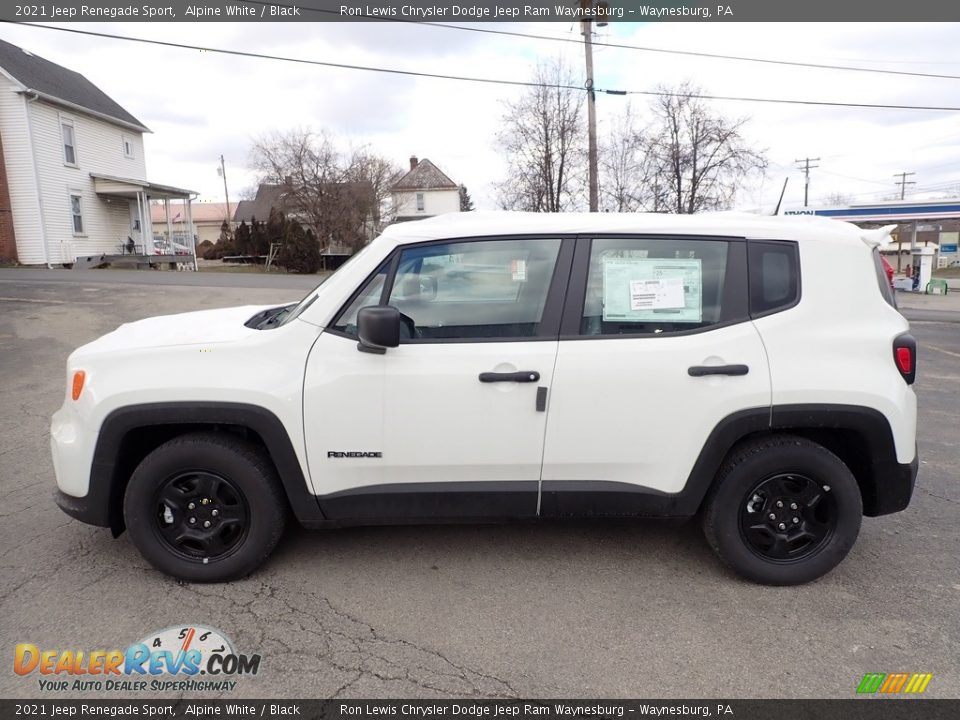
783,510
205,507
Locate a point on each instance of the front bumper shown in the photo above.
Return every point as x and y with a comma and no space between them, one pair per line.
93,511
72,446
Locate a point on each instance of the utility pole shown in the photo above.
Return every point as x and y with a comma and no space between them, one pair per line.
222,171
903,182
806,167
586,7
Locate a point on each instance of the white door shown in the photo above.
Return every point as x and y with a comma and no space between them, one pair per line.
664,352
451,423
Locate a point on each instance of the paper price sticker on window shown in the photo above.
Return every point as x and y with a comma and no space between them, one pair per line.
659,294
652,290
518,270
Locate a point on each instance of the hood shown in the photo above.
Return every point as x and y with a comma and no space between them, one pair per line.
203,327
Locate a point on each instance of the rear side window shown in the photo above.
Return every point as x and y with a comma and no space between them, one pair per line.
774,276
638,286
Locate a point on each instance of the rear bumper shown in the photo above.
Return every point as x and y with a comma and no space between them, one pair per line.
894,490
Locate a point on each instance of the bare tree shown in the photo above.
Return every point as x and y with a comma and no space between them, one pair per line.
543,139
379,174
838,199
628,177
700,156
341,195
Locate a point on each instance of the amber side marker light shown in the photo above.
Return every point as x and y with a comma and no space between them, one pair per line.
78,377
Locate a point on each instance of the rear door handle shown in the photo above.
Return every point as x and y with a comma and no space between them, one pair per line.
702,370
519,376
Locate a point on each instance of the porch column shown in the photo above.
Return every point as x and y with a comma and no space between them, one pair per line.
193,241
147,219
166,210
147,238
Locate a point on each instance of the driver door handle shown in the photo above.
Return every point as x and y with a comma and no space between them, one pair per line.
519,376
703,370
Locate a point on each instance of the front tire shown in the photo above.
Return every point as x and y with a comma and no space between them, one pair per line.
783,510
205,507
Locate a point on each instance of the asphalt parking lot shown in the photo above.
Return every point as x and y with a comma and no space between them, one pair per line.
549,610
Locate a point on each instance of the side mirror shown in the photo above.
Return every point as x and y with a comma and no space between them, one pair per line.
378,328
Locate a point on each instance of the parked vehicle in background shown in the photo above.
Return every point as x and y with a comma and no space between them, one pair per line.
491,366
888,269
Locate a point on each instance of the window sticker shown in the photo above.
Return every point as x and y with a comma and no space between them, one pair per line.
660,294
652,290
518,270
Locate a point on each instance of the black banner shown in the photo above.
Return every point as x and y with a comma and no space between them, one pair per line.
853,709
477,11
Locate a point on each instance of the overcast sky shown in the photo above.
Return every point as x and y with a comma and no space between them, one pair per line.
201,104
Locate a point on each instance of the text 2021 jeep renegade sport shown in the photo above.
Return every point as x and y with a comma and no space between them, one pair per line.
493,366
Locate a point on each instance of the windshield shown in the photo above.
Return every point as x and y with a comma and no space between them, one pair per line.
312,295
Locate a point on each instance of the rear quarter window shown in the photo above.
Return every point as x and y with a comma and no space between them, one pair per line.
774,268
883,280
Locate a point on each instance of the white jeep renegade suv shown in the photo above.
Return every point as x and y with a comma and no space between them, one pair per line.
492,366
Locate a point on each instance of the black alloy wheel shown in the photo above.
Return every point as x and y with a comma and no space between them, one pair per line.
205,507
201,515
783,510
788,517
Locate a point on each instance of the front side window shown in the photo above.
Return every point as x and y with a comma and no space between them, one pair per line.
76,211
476,289
654,286
69,143
463,290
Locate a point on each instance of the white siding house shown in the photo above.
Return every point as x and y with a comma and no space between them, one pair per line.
424,191
76,178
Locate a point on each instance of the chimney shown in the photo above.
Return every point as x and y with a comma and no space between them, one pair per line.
413,161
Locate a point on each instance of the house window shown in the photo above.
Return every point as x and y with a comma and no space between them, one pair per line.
420,204
69,142
76,212
127,147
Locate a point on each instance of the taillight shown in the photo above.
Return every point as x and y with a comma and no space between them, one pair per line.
905,356
905,360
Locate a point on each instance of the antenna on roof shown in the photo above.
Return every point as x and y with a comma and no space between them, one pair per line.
780,201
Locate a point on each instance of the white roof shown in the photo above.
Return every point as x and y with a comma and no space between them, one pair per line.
723,224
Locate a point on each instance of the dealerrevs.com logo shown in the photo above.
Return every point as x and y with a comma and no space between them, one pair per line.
181,658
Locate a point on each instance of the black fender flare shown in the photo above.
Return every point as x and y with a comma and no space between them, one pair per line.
885,484
103,503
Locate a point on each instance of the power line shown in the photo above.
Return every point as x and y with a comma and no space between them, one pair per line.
625,46
491,81
853,177
711,56
919,189
783,101
921,143
303,61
